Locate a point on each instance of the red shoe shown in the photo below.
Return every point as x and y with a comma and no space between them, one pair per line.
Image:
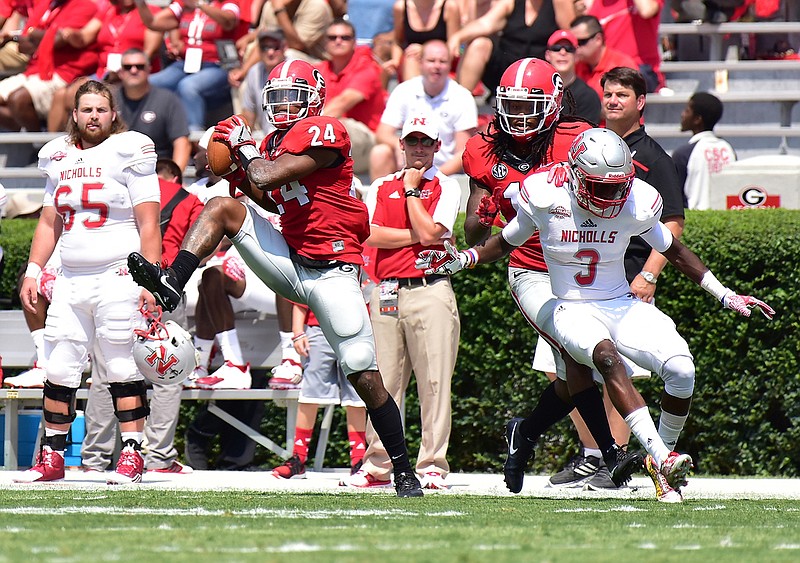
130,467
176,467
293,468
363,480
49,467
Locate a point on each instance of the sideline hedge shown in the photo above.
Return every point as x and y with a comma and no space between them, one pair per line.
744,419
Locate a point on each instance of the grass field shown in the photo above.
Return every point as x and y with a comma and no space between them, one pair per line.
136,524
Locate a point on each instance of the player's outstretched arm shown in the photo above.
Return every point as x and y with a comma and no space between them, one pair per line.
690,264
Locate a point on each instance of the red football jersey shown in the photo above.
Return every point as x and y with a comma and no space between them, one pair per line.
321,218
504,178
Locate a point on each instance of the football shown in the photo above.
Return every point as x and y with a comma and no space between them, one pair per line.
219,156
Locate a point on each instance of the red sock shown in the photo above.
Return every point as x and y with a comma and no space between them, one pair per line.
358,446
302,437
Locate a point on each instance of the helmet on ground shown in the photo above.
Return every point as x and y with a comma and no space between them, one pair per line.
602,171
164,352
294,90
529,98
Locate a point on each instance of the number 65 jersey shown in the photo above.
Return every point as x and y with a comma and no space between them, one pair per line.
94,192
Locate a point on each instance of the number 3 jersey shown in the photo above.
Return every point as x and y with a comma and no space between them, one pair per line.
94,192
321,218
584,252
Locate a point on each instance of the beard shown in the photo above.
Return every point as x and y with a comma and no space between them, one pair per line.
94,136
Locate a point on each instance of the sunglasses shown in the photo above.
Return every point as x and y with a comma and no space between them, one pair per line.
414,141
342,37
270,46
558,48
582,42
141,66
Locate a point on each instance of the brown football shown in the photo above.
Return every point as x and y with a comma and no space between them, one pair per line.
219,156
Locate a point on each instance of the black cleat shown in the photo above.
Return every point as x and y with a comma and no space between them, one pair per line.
161,283
622,464
520,450
407,485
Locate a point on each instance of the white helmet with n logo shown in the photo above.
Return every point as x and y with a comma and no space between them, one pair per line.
164,352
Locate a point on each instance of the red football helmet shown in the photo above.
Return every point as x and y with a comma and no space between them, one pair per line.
529,98
602,171
294,90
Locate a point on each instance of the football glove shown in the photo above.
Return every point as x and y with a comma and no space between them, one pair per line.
743,303
447,261
558,175
235,133
233,266
487,211
46,281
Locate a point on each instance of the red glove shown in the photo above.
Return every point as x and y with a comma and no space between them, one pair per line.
743,303
233,266
558,175
487,211
46,281
235,133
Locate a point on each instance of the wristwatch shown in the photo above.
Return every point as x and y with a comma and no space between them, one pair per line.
648,277
413,192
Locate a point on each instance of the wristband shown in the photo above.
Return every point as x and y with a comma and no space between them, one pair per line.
247,154
471,258
33,270
712,285
298,337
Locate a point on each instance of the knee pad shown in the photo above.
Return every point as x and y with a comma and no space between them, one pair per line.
678,376
61,394
130,389
358,356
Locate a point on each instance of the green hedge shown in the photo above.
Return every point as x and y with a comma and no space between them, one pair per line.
744,418
15,238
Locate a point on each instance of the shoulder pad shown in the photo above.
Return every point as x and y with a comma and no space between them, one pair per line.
646,200
538,192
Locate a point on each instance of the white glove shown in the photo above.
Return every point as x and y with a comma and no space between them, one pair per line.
743,303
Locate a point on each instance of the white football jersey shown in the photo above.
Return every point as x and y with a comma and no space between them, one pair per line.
585,253
94,191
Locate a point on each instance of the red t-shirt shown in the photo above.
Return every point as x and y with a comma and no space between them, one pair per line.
611,59
391,211
120,32
363,73
8,7
183,216
67,62
201,31
504,179
321,218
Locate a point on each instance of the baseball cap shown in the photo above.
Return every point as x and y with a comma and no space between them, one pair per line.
562,35
275,33
421,123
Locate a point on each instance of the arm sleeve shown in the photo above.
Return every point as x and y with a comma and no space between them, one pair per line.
659,237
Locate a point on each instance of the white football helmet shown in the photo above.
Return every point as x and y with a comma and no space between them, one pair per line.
602,171
164,352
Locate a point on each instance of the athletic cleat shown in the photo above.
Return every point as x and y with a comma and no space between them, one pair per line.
30,379
197,373
176,467
228,376
601,481
158,281
293,468
520,450
577,472
407,485
286,375
664,492
676,468
435,481
363,480
621,464
129,466
49,466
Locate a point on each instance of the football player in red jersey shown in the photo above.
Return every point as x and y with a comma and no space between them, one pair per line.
528,133
304,172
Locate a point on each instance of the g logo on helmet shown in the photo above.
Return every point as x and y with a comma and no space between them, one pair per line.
164,352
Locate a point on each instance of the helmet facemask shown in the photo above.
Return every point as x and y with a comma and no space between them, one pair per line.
602,196
522,115
287,101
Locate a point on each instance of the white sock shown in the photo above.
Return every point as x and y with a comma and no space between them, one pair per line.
229,346
286,339
204,347
136,436
669,428
594,452
644,429
38,342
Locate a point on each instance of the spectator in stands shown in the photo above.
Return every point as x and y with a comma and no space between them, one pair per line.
705,154
355,93
324,383
272,47
413,210
415,23
154,111
13,14
110,33
631,27
179,209
525,25
433,92
594,57
303,23
382,46
26,98
196,76
560,53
